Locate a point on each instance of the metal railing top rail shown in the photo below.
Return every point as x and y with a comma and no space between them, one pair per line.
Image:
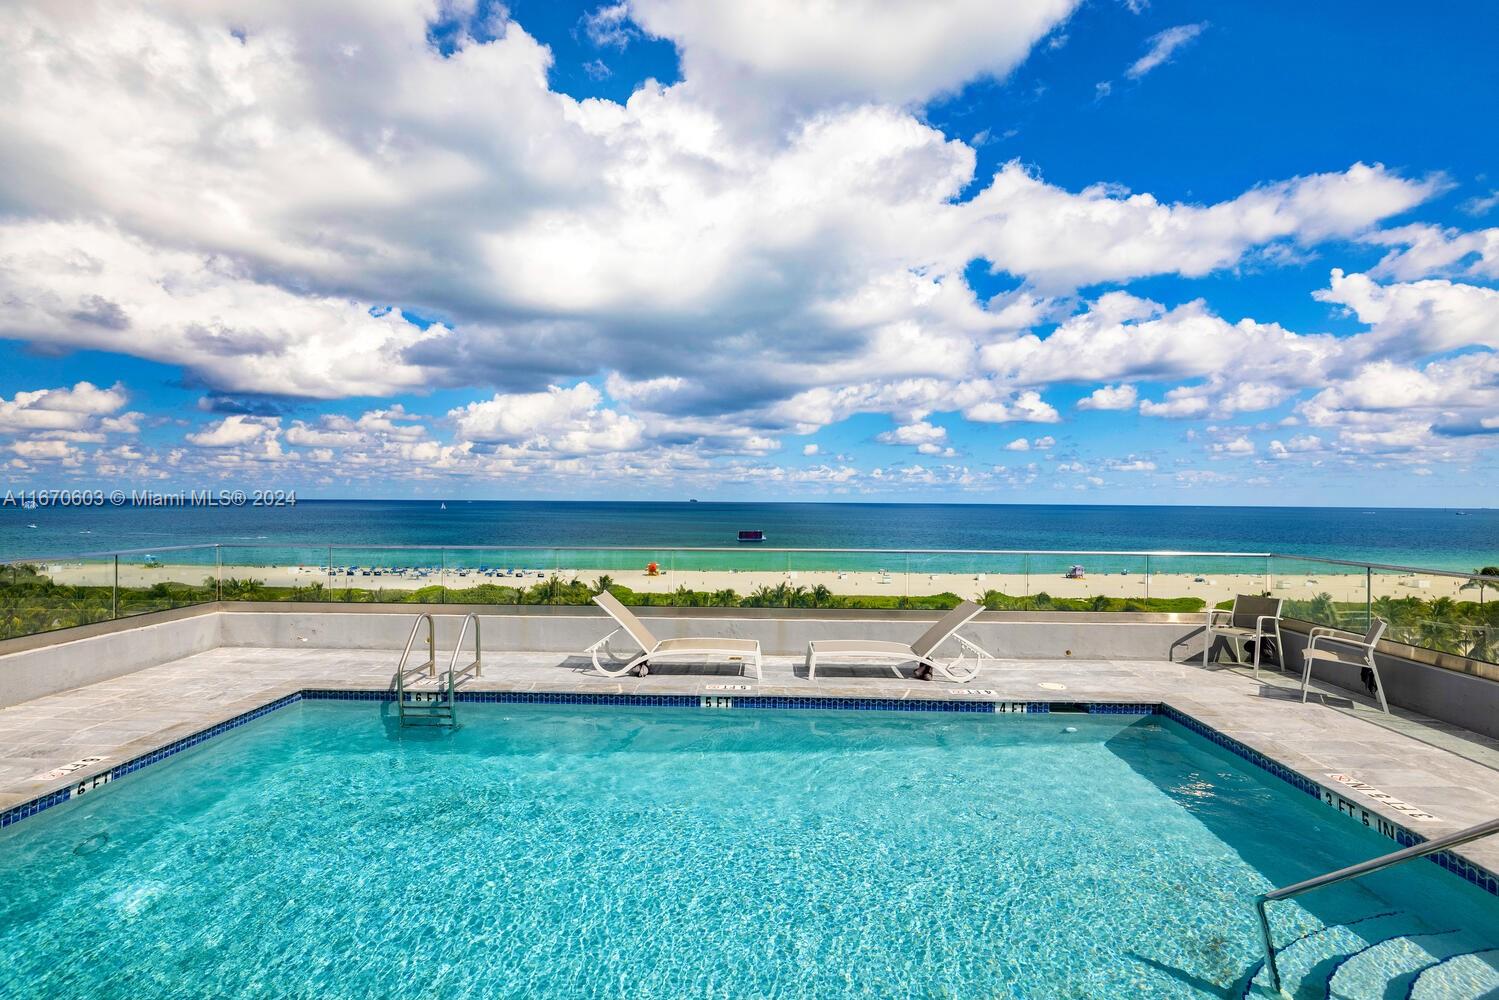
110,553
761,549
768,548
1386,566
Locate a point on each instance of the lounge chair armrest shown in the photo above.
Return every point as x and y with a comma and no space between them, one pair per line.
1259,623
1355,643
605,640
973,648
1214,612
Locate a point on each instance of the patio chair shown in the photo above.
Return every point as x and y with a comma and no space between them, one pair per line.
1256,618
960,669
652,648
1349,651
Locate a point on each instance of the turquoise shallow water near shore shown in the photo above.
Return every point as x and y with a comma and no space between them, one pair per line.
1439,539
578,851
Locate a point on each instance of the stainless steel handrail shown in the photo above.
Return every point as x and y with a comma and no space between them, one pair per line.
454,674
1355,871
431,665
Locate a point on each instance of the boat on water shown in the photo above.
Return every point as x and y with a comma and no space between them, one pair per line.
752,536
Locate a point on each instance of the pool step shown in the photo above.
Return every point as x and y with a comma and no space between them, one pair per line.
1386,956
1389,968
1308,961
1467,976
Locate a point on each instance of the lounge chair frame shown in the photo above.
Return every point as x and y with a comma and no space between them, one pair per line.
963,668
745,650
1360,654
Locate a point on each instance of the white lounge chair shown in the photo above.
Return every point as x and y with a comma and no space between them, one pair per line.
652,648
1256,618
1352,652
960,669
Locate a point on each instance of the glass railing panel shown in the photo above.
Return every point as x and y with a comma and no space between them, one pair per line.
1321,592
1085,581
644,576
363,575
166,578
1000,581
747,576
1449,614
496,575
940,580
836,579
43,596
1195,581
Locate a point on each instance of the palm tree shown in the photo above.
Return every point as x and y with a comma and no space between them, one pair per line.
822,597
1480,584
763,596
243,590
602,584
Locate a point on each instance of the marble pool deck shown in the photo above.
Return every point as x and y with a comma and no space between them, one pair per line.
137,713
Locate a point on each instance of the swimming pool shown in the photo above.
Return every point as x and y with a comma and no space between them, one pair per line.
665,852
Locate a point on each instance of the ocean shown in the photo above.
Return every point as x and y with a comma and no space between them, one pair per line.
1432,538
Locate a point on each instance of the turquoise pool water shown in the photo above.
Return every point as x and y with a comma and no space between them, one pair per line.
575,851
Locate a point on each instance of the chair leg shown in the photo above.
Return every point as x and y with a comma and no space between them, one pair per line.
1306,677
811,663
1259,645
1379,687
758,676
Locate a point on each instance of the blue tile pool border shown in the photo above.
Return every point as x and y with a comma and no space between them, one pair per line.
1447,860
87,784
1457,865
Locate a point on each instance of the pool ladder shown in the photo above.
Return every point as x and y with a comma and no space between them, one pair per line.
436,705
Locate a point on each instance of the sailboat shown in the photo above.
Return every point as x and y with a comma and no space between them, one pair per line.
442,506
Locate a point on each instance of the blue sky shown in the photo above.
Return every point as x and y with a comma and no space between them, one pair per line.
1107,251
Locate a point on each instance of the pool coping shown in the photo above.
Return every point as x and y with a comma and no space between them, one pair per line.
72,786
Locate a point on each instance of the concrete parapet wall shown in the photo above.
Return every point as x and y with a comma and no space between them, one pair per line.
68,663
787,634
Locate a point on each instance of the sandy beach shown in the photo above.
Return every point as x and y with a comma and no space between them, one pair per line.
1211,588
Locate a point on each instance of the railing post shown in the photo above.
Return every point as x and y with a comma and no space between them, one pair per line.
114,592
442,581
1368,596
1147,578
218,572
